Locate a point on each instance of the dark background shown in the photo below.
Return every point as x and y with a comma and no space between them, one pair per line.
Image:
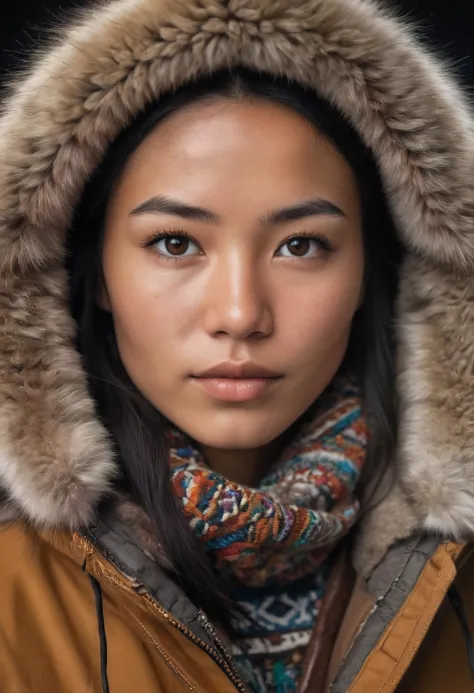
447,25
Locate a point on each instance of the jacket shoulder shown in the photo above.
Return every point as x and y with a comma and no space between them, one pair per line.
45,610
27,553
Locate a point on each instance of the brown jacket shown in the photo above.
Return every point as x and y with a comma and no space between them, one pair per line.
84,604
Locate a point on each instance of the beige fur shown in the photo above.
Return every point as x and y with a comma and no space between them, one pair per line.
55,459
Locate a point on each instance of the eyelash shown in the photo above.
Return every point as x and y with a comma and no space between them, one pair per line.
323,241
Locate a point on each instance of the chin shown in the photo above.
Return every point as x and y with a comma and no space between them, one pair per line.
232,431
243,442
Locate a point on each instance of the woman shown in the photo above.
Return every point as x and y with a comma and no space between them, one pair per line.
236,310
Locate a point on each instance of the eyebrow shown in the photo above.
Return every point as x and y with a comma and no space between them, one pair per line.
161,204
308,208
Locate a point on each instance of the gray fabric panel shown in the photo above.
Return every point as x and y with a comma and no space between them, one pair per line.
390,584
122,549
398,560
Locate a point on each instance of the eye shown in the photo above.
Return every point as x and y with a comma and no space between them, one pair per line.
173,244
304,246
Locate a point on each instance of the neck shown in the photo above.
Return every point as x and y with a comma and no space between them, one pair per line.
244,467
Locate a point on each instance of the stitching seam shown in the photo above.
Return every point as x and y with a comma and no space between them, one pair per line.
387,631
166,657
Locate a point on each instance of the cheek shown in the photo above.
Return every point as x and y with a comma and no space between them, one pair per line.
152,314
147,337
145,322
322,319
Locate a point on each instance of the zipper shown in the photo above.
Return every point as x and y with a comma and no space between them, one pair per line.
211,631
220,655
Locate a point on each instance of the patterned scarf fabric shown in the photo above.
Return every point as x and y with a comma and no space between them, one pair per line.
274,543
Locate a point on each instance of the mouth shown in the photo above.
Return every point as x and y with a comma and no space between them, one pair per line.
236,382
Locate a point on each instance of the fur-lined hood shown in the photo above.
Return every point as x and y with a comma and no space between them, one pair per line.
55,457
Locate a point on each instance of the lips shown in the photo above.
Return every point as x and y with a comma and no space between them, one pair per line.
240,371
236,382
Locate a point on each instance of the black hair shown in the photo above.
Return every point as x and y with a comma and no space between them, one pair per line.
137,428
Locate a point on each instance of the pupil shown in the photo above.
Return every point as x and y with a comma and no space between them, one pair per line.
175,245
299,246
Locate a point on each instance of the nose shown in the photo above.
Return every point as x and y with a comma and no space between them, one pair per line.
237,304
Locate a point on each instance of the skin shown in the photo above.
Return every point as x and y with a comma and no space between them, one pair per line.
238,290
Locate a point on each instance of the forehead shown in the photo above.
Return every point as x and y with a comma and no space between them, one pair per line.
250,148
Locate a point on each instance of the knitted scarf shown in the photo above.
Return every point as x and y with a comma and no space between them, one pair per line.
274,543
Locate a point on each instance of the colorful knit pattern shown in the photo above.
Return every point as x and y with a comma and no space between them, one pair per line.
281,531
272,634
273,543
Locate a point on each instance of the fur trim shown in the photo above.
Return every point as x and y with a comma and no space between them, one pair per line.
128,513
391,520
436,455
55,458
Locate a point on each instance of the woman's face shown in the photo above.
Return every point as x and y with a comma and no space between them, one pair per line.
262,268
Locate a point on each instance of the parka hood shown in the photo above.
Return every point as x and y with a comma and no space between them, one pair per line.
56,459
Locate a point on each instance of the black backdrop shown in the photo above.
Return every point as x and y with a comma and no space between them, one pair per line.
445,24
